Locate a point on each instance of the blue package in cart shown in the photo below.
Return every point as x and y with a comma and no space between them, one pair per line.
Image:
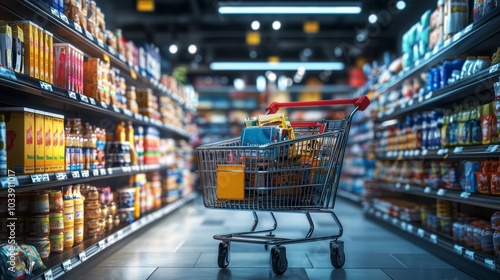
258,136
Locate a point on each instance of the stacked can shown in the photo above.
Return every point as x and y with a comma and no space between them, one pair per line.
56,221
79,215
92,206
69,217
118,154
126,198
38,224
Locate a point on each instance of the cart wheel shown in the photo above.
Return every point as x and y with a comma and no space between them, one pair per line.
337,254
279,262
223,257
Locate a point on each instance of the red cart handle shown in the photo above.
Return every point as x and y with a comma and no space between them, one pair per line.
361,102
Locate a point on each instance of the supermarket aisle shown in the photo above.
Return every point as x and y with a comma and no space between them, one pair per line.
181,247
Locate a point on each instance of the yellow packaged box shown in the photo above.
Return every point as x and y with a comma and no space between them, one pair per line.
58,145
29,32
49,47
47,128
40,141
41,55
20,123
230,182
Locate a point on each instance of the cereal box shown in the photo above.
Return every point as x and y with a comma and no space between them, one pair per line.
39,141
47,132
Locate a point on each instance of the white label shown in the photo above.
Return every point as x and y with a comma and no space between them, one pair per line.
371,210
441,192
406,153
110,171
421,232
67,266
435,50
83,256
135,168
119,234
138,117
447,43
407,187
469,255
417,153
394,221
457,36
386,216
7,73
409,228
85,174
116,109
458,150
122,58
434,238
112,51
72,95
424,152
95,172
427,56
46,86
100,43
92,101
468,28
37,178
54,11
78,28
104,105
126,169
102,244
61,176
398,185
89,35
378,214
75,174
490,264
494,68
103,172
427,190
111,239
84,98
65,18
45,178
134,226
128,112
458,249
47,275
146,118
403,225
465,195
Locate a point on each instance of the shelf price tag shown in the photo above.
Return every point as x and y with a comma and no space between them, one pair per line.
92,101
111,239
122,58
127,112
385,216
409,228
403,226
103,172
8,74
47,275
116,109
126,169
37,178
138,117
61,176
421,232
447,43
64,18
72,95
100,43
398,185
434,238
67,266
378,214
494,68
134,226
427,56
441,192
45,178
457,36
490,264
458,249
95,172
84,98
424,152
46,86
468,28
110,171
85,174
465,195
407,187
469,255
89,35
458,150
394,221
104,105
54,11
427,190
78,28
82,256
435,50
119,234
101,244
75,174
111,50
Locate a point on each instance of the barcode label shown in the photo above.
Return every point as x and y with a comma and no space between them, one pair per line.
67,266
61,176
95,172
75,174
82,256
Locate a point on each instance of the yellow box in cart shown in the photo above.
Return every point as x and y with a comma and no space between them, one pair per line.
39,141
20,123
29,32
47,132
58,144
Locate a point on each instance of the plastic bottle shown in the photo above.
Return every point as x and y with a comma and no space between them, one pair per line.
130,137
120,133
444,128
3,146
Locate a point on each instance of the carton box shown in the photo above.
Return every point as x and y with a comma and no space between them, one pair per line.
58,149
20,123
49,46
39,141
41,54
47,132
68,72
29,32
5,45
17,49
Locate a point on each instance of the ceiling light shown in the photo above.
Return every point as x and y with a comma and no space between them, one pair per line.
372,18
293,66
260,83
271,76
173,49
192,49
274,8
255,25
401,5
276,25
239,84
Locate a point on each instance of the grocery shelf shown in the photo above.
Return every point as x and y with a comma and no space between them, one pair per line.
473,35
62,27
480,84
444,243
58,265
31,90
349,196
31,182
442,193
458,152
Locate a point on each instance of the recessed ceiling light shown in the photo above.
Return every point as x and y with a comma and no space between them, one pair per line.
192,49
255,25
173,49
271,76
239,84
276,25
401,5
372,18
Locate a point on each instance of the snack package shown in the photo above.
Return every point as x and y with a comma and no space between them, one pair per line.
12,266
469,180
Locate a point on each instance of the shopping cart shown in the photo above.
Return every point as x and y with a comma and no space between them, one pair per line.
298,175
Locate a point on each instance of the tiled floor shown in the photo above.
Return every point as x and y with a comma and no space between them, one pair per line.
181,247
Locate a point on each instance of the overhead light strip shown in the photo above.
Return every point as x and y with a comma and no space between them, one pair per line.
256,66
289,10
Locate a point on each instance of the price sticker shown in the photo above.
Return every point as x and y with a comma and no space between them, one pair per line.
441,192
92,101
134,226
54,11
385,216
469,255
111,50
406,153
457,36
72,95
407,187
89,35
126,169
95,172
378,214
119,234
82,256
37,178
64,18
420,233
440,152
135,168
490,264
47,275
101,244
103,172
434,238
435,50
67,266
425,152
394,221
458,150
427,190
409,228
111,239
127,112
146,119
100,43
417,62
84,98
403,226
85,174
122,58
116,109
417,153
427,55
45,178
494,68
104,105
458,249
468,28
447,43
46,86
398,185
75,174
138,117
61,176
110,171
465,195
78,28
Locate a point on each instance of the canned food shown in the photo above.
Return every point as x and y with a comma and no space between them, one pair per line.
56,242
69,213
69,237
55,201
40,203
126,198
39,225
126,215
42,245
56,221
78,235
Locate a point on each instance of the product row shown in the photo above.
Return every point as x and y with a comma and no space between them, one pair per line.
40,142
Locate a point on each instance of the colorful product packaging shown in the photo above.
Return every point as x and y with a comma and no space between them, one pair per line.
68,72
48,128
470,169
17,49
20,124
41,55
29,32
50,58
40,141
5,45
58,136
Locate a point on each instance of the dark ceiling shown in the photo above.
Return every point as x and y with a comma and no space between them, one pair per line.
222,37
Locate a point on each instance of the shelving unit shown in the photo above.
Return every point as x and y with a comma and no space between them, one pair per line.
478,37
22,90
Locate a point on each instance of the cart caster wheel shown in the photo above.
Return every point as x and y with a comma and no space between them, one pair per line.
279,262
337,254
223,257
